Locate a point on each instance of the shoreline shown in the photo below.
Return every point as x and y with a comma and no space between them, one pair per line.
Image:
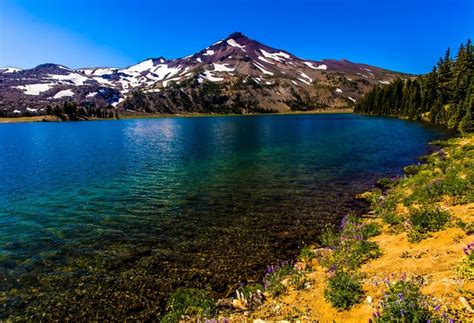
434,264
52,118
436,260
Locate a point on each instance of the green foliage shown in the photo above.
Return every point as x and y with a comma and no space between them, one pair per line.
352,247
306,254
428,219
444,96
343,290
329,238
411,169
190,302
355,229
384,183
466,267
370,230
351,253
274,279
298,280
248,290
403,302
392,218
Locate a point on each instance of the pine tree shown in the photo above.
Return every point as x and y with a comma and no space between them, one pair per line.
443,96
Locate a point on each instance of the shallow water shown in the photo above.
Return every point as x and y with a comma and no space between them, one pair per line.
104,219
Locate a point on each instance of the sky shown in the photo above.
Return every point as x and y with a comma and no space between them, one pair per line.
402,35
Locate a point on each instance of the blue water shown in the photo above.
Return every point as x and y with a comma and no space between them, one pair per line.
128,210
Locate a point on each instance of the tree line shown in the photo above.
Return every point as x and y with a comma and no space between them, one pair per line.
71,111
445,96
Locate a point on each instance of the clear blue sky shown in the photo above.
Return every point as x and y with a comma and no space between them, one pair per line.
403,35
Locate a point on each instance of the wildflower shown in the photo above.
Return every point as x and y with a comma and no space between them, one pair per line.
437,308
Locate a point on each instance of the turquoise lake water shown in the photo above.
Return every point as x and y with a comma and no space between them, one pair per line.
104,219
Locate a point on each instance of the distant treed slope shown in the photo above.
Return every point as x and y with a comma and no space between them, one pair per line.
445,96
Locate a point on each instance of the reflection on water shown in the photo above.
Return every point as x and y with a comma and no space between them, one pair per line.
104,219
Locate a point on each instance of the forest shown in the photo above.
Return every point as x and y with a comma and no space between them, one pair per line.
445,96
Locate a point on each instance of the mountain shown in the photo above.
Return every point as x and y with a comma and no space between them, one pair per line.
236,74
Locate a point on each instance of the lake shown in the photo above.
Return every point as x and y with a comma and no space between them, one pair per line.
104,219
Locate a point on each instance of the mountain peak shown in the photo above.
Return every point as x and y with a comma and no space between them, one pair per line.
236,35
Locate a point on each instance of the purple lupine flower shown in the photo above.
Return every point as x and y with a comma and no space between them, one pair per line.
400,296
444,315
344,221
437,308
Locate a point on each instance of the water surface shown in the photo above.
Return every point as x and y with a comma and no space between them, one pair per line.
104,219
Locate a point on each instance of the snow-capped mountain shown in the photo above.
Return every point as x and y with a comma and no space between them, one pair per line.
236,74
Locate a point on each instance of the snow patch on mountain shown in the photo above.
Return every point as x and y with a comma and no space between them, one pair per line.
140,67
207,75
279,57
209,52
35,89
307,79
98,71
260,67
9,69
233,43
222,68
264,60
71,78
162,71
62,94
319,67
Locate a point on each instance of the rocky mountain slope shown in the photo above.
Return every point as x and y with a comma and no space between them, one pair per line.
237,75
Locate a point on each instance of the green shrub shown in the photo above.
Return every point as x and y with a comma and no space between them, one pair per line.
351,254
370,230
403,302
306,254
392,218
275,275
343,290
298,280
384,183
428,219
354,229
411,170
248,290
461,189
329,238
466,267
190,302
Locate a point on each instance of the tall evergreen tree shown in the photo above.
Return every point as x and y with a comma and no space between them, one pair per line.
443,96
